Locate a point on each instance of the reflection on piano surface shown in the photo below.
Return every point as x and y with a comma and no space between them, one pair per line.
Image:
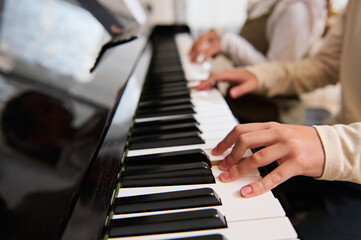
133,165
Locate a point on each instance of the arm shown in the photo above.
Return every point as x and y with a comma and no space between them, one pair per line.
306,75
287,77
343,153
325,152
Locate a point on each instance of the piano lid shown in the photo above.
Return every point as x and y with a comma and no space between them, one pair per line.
53,110
57,42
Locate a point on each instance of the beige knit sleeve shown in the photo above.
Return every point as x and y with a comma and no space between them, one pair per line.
342,146
306,75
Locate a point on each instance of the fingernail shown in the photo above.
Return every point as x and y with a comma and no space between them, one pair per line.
233,93
246,190
215,150
223,164
224,175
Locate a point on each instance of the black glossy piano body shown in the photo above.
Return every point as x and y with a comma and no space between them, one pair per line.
64,129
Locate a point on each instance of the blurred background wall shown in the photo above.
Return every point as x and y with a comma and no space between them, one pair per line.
201,15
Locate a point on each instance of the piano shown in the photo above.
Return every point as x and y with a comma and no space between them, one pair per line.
104,137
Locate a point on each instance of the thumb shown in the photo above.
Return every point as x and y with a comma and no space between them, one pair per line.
243,88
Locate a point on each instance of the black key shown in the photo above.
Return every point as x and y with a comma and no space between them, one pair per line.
165,129
168,52
167,77
154,93
204,237
156,111
166,69
167,201
194,179
177,174
167,102
185,110
164,136
170,168
160,79
166,175
179,119
162,82
161,90
166,48
167,223
163,55
165,108
166,95
164,62
165,85
168,158
175,96
166,143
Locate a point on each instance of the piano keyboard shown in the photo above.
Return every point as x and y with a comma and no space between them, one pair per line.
169,185
261,217
209,109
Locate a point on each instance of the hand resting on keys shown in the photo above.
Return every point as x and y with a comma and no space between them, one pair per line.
207,45
296,149
243,80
